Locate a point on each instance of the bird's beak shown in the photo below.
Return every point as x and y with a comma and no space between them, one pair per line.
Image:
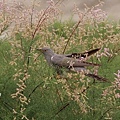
39,49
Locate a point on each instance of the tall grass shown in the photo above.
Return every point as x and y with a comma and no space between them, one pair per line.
32,90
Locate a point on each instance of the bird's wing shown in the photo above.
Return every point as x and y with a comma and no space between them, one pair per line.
84,55
63,61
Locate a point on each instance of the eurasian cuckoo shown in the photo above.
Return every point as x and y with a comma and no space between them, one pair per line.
74,62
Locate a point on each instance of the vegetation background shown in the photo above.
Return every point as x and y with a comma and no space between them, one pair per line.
30,89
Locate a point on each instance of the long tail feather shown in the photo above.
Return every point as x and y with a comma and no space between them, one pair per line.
97,77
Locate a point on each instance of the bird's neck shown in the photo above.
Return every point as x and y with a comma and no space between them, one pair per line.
48,58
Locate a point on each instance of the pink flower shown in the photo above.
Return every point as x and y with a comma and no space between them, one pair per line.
105,92
117,95
118,75
98,14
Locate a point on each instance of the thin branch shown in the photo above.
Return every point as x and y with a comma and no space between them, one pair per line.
38,25
73,31
59,95
61,109
71,35
41,20
31,19
34,89
105,113
4,9
8,106
108,111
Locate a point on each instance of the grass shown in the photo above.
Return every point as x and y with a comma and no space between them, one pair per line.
51,97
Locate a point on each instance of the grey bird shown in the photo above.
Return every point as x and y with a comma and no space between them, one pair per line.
74,62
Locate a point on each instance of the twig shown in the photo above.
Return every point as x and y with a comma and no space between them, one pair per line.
85,89
4,9
108,111
59,94
71,35
88,87
37,57
74,30
4,57
31,19
105,113
9,107
61,109
38,25
34,89
41,20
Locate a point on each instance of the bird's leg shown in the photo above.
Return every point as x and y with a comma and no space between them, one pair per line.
59,72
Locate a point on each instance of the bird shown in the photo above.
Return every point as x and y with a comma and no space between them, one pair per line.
74,62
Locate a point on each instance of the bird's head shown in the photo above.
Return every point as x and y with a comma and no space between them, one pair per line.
46,51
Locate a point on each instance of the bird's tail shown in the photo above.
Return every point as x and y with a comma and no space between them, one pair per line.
97,77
